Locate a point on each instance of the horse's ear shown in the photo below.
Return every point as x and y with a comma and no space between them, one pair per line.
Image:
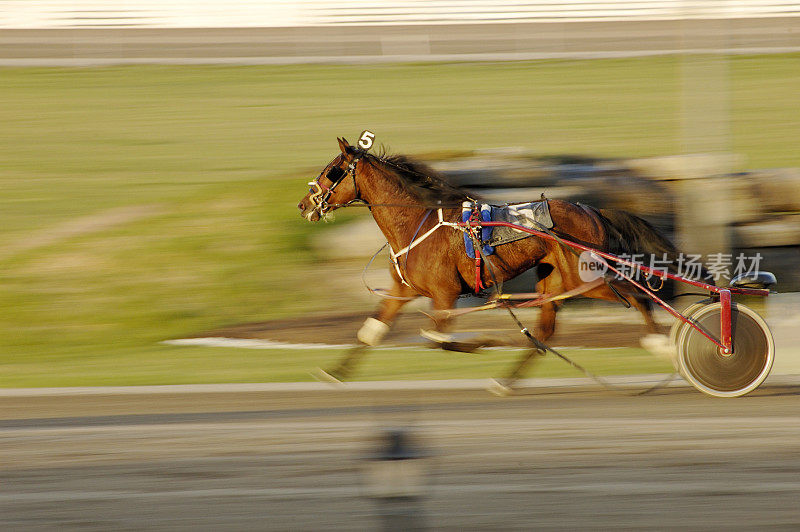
347,149
343,145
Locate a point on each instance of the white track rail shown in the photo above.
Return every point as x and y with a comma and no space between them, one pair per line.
63,14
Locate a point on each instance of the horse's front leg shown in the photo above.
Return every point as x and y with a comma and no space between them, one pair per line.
442,324
371,333
376,327
443,302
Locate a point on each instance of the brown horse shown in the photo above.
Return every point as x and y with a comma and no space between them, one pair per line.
401,193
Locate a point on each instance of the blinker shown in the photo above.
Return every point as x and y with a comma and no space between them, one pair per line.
335,174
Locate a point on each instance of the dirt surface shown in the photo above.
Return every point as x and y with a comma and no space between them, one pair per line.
614,328
551,459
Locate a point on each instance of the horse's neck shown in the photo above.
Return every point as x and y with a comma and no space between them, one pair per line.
397,222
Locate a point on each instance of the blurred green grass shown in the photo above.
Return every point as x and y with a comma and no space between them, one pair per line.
164,364
212,160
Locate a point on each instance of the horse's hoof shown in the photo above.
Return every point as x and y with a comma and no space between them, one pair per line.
499,389
323,376
449,342
436,336
660,346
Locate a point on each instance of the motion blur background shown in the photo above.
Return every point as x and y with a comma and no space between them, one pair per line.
152,155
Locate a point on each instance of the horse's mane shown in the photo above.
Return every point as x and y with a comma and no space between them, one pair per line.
431,187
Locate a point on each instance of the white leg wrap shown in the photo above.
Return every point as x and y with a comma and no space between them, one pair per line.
372,332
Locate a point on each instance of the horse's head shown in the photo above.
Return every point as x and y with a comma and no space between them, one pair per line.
333,187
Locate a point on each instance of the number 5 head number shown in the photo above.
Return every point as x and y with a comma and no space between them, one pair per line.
366,140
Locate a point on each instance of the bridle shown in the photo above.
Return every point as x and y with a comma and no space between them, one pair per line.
320,194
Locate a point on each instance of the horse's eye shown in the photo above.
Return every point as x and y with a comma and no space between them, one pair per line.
335,174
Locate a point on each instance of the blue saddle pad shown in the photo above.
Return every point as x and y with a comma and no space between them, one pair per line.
486,232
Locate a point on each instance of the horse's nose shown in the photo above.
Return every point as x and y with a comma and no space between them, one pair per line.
300,205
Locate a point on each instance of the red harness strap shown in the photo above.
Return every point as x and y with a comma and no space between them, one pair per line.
476,244
478,281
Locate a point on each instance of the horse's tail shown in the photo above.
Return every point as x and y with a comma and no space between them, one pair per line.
630,235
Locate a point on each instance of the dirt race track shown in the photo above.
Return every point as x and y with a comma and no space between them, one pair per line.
574,328
552,458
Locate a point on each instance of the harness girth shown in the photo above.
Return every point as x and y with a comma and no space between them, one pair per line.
476,242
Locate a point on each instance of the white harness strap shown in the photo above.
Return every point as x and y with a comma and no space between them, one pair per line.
395,254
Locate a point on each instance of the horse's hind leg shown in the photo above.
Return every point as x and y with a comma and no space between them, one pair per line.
645,306
547,321
656,342
550,283
547,326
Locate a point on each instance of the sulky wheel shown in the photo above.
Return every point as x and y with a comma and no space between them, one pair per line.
679,325
707,369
